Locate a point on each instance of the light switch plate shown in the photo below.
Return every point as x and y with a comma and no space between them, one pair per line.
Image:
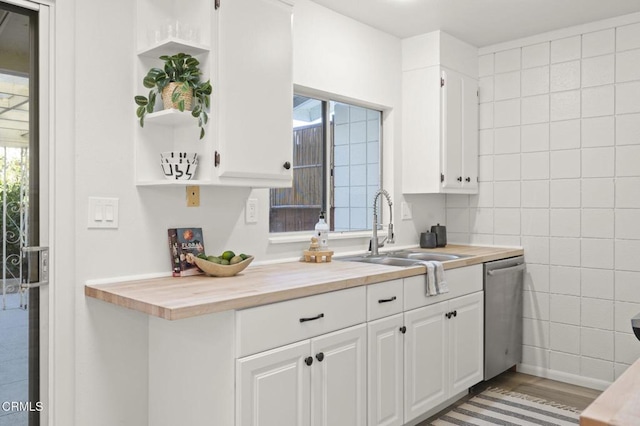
251,211
103,213
406,211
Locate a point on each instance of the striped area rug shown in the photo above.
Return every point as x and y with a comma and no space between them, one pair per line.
499,407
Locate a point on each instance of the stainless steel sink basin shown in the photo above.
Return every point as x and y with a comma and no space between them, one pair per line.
381,260
418,255
402,258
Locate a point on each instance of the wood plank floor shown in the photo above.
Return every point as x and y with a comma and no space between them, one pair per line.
551,390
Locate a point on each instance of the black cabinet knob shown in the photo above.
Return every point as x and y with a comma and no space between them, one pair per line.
320,356
308,360
468,179
286,165
448,315
403,329
459,179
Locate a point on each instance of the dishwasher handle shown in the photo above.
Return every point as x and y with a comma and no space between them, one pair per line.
517,268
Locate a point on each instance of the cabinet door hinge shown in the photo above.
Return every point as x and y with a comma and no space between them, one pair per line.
441,177
441,82
217,4
216,159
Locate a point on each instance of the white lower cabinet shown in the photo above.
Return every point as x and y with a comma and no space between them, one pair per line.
466,342
443,352
339,378
385,372
425,356
319,381
273,387
384,358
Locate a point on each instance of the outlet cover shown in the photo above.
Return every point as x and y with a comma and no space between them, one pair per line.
193,196
251,211
406,211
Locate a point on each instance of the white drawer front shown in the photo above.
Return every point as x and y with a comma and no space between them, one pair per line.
461,281
384,299
277,324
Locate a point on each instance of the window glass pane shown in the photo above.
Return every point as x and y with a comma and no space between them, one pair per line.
354,149
297,208
356,165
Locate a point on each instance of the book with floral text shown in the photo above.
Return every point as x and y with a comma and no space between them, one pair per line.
184,243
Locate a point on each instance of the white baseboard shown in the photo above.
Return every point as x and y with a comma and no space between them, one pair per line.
560,376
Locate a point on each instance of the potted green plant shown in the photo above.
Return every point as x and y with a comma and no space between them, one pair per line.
180,87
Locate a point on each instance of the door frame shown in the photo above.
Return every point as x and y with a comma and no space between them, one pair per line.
56,151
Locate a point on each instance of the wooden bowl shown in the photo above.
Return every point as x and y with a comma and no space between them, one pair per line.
216,270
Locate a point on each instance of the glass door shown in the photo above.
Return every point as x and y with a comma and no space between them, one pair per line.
20,310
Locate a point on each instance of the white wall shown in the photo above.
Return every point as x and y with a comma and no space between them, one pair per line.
363,65
332,54
559,175
111,344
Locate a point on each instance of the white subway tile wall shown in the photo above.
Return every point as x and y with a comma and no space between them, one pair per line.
560,176
628,129
598,43
598,131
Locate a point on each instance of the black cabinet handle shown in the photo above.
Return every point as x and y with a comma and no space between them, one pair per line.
459,179
455,313
403,329
448,315
286,165
320,356
308,360
312,318
468,179
391,299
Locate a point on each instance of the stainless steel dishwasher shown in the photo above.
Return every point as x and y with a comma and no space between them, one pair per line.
503,282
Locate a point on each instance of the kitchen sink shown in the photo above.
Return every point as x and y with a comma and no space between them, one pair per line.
381,260
420,255
402,258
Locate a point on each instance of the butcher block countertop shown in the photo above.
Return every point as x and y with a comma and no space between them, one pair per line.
176,298
618,405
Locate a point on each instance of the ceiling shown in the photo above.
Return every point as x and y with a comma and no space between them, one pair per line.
14,83
478,22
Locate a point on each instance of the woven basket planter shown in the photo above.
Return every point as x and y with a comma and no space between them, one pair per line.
186,96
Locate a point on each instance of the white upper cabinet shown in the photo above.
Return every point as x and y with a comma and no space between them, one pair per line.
459,132
440,115
255,90
245,49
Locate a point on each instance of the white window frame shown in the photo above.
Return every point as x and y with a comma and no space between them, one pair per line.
326,98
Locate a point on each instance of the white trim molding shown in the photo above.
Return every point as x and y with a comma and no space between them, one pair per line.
561,376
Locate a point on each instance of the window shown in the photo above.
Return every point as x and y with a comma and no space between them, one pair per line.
336,167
